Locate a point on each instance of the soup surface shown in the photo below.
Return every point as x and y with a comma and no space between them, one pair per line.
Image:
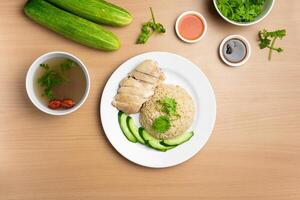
72,87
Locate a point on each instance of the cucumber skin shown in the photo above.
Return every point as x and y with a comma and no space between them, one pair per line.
96,10
162,148
124,126
71,26
153,142
176,142
135,133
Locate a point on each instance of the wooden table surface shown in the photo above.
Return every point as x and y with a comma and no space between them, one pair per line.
253,153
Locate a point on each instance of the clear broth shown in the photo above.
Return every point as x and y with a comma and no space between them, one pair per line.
74,88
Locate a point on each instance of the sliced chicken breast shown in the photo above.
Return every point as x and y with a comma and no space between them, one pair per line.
128,107
149,67
138,87
144,77
131,82
146,93
148,85
122,97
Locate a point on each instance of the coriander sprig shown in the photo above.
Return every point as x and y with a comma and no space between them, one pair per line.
148,28
267,40
161,124
53,78
168,106
49,80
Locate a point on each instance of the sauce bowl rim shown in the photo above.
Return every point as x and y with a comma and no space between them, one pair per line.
191,12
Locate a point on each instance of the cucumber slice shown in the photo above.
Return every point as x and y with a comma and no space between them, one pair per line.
178,140
122,117
153,142
134,130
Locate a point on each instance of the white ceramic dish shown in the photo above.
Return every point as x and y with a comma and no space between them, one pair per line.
190,13
248,47
266,10
30,78
180,71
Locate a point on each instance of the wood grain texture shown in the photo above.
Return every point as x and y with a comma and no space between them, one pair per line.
254,151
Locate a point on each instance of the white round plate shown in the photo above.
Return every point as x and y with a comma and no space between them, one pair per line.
180,71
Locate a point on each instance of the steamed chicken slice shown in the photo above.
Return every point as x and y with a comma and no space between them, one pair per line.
121,97
144,77
132,82
138,87
149,67
147,85
142,93
127,107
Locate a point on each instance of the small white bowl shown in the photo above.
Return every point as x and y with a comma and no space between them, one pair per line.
248,48
30,77
266,10
191,13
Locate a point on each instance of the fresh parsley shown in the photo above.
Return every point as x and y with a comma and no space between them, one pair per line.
53,78
267,40
67,65
168,106
148,28
241,10
161,124
49,80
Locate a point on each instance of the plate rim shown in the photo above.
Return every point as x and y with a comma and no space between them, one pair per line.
214,108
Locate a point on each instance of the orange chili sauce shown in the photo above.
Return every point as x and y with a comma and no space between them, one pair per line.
191,27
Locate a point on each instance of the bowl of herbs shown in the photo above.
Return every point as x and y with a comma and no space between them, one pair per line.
243,12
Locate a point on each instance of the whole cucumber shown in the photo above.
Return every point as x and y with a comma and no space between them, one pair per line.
71,26
98,11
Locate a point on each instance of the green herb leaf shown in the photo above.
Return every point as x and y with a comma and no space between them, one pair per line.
267,40
45,66
161,124
241,10
148,28
49,80
168,106
53,78
67,65
145,34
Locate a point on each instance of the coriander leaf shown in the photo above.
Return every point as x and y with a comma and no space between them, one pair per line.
67,65
280,33
145,34
241,10
264,43
168,106
279,50
48,93
45,66
148,28
267,40
49,80
161,124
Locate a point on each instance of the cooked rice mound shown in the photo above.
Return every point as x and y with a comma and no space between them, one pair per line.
185,108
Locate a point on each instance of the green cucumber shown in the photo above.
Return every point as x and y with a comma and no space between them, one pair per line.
153,142
71,26
122,117
97,11
178,140
134,130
